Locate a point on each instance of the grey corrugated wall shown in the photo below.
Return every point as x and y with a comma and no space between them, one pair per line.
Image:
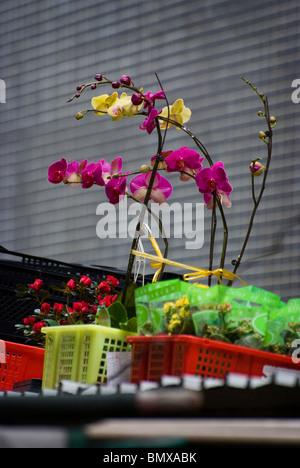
199,49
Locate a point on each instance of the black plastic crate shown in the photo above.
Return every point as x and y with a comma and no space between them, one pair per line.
21,268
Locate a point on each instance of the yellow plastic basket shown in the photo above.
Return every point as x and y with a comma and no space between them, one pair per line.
78,353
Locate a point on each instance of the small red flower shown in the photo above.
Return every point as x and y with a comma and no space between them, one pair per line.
36,285
107,300
45,308
37,326
85,307
112,281
103,287
86,281
58,307
28,320
71,285
77,306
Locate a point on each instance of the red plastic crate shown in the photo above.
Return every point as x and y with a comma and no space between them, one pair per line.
154,356
19,362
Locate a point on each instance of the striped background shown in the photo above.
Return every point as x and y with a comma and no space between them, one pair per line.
199,49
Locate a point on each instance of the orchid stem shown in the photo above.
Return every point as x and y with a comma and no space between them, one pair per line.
212,237
188,132
225,233
145,202
257,201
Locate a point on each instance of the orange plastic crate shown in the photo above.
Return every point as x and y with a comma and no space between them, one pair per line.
19,362
155,356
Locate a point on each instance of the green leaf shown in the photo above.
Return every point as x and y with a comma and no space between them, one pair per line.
130,326
21,292
129,300
57,288
51,323
22,286
253,341
118,314
102,317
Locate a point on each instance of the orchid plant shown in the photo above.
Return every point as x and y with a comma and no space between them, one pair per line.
150,181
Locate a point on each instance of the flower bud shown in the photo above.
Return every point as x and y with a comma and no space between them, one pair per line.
115,84
258,168
86,280
262,135
136,99
38,284
45,307
79,116
71,284
125,80
58,307
272,120
37,326
144,169
112,281
104,287
98,77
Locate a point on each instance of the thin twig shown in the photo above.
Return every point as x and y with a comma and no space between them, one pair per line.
269,135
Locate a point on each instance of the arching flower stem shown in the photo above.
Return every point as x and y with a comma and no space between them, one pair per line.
268,141
217,201
140,222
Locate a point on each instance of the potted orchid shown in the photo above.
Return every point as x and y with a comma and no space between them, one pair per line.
150,182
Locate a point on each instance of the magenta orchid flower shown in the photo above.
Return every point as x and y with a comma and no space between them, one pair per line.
212,179
57,171
115,189
151,98
109,170
74,172
184,159
161,189
92,174
149,123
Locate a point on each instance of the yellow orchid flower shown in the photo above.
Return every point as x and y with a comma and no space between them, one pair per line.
122,107
103,103
177,112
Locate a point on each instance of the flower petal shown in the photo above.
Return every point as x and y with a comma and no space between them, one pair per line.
186,114
225,200
201,179
137,182
177,106
158,196
57,171
115,189
116,166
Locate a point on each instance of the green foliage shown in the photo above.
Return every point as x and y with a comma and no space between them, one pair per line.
119,317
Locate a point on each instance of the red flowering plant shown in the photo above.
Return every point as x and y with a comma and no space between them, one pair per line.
83,301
